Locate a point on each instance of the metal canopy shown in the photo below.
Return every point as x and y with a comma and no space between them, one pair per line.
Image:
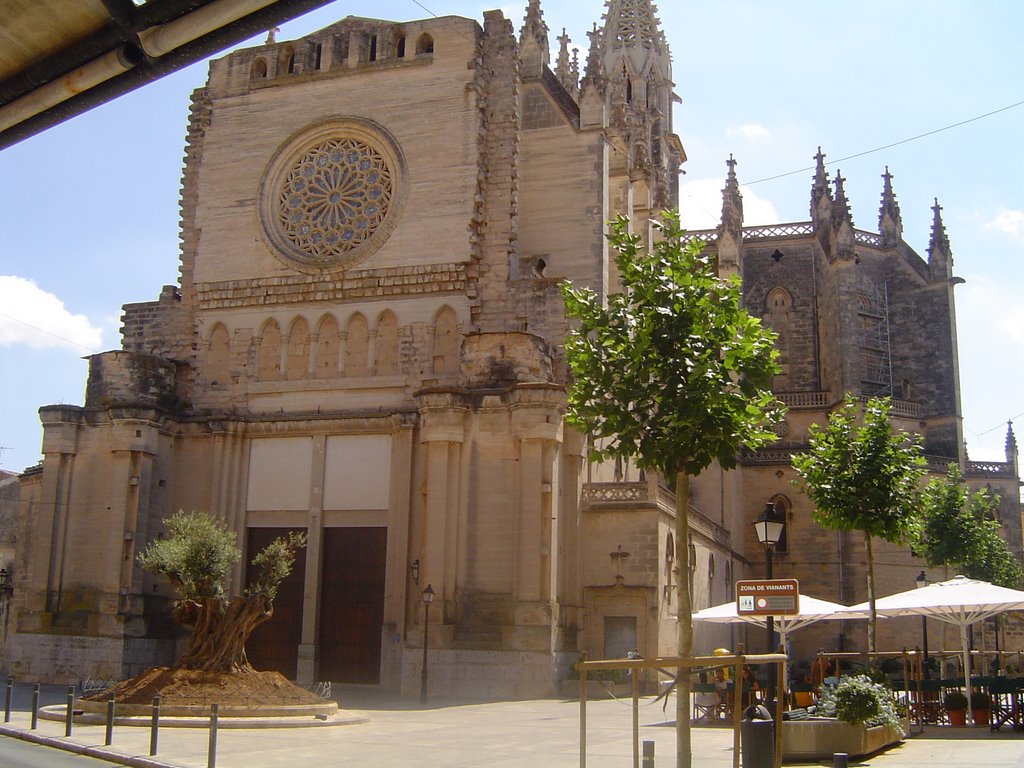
60,58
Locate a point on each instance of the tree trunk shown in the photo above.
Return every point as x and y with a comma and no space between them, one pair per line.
219,632
684,620
872,616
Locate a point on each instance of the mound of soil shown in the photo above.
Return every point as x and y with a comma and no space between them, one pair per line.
191,687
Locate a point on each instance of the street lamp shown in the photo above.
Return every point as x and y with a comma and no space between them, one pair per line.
769,526
428,598
922,581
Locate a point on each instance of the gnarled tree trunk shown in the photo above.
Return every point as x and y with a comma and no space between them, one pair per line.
220,631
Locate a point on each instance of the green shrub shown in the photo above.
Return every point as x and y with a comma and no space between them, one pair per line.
955,700
981,700
858,699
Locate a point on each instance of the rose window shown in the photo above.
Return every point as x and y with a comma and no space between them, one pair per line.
334,198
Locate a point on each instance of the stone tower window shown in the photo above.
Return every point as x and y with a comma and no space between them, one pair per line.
386,362
268,357
327,344
424,44
297,360
217,361
777,317
286,63
357,347
331,197
258,71
447,343
400,46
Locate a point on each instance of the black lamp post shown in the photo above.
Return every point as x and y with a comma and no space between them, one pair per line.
922,581
769,526
428,598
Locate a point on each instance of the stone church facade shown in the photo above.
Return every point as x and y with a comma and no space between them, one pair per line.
364,344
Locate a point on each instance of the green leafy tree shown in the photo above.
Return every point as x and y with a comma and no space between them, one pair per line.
196,556
673,374
862,475
960,528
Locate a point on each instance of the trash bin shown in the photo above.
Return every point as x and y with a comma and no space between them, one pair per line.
757,737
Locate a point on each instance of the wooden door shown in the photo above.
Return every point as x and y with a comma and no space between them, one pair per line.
352,604
274,645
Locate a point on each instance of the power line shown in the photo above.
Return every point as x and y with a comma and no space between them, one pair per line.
888,146
49,333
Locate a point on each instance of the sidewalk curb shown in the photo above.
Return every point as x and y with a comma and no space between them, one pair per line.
102,753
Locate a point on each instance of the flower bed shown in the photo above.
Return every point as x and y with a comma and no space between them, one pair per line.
820,738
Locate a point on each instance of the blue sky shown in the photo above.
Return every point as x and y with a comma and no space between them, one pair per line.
89,209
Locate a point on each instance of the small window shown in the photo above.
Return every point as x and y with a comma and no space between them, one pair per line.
287,61
373,47
400,47
258,71
424,44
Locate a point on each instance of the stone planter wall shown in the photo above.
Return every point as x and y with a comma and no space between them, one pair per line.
820,739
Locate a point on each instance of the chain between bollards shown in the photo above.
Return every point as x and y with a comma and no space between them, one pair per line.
155,727
110,721
211,761
71,710
35,705
8,698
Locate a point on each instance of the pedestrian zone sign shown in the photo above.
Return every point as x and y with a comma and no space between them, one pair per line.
769,597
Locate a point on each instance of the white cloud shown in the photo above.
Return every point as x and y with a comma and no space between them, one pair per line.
700,205
752,131
35,318
1010,222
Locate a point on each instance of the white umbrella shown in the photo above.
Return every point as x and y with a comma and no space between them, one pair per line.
960,601
811,610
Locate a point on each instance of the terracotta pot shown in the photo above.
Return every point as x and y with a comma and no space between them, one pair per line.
981,716
957,717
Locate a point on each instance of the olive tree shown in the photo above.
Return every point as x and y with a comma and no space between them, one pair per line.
196,556
673,373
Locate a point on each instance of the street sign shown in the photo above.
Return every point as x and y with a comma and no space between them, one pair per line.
775,597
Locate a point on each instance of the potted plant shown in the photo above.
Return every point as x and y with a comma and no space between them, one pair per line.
955,703
981,707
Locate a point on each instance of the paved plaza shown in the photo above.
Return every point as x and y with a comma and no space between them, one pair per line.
450,734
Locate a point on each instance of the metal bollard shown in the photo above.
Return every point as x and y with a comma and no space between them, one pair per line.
840,760
71,710
110,722
211,761
8,699
155,727
648,756
35,705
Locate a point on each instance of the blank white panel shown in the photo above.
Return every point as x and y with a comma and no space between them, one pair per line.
358,472
279,473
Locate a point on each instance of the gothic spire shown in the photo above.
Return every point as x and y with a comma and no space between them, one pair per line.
819,187
1011,445
732,201
890,223
565,71
632,32
595,74
940,256
534,54
841,210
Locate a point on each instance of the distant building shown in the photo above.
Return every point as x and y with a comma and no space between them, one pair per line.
365,344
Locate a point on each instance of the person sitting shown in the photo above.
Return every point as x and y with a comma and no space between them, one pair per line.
705,700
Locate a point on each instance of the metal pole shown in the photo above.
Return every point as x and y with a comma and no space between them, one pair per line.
8,698
35,705
155,725
583,718
423,671
636,717
71,710
648,755
211,761
110,721
769,624
924,640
